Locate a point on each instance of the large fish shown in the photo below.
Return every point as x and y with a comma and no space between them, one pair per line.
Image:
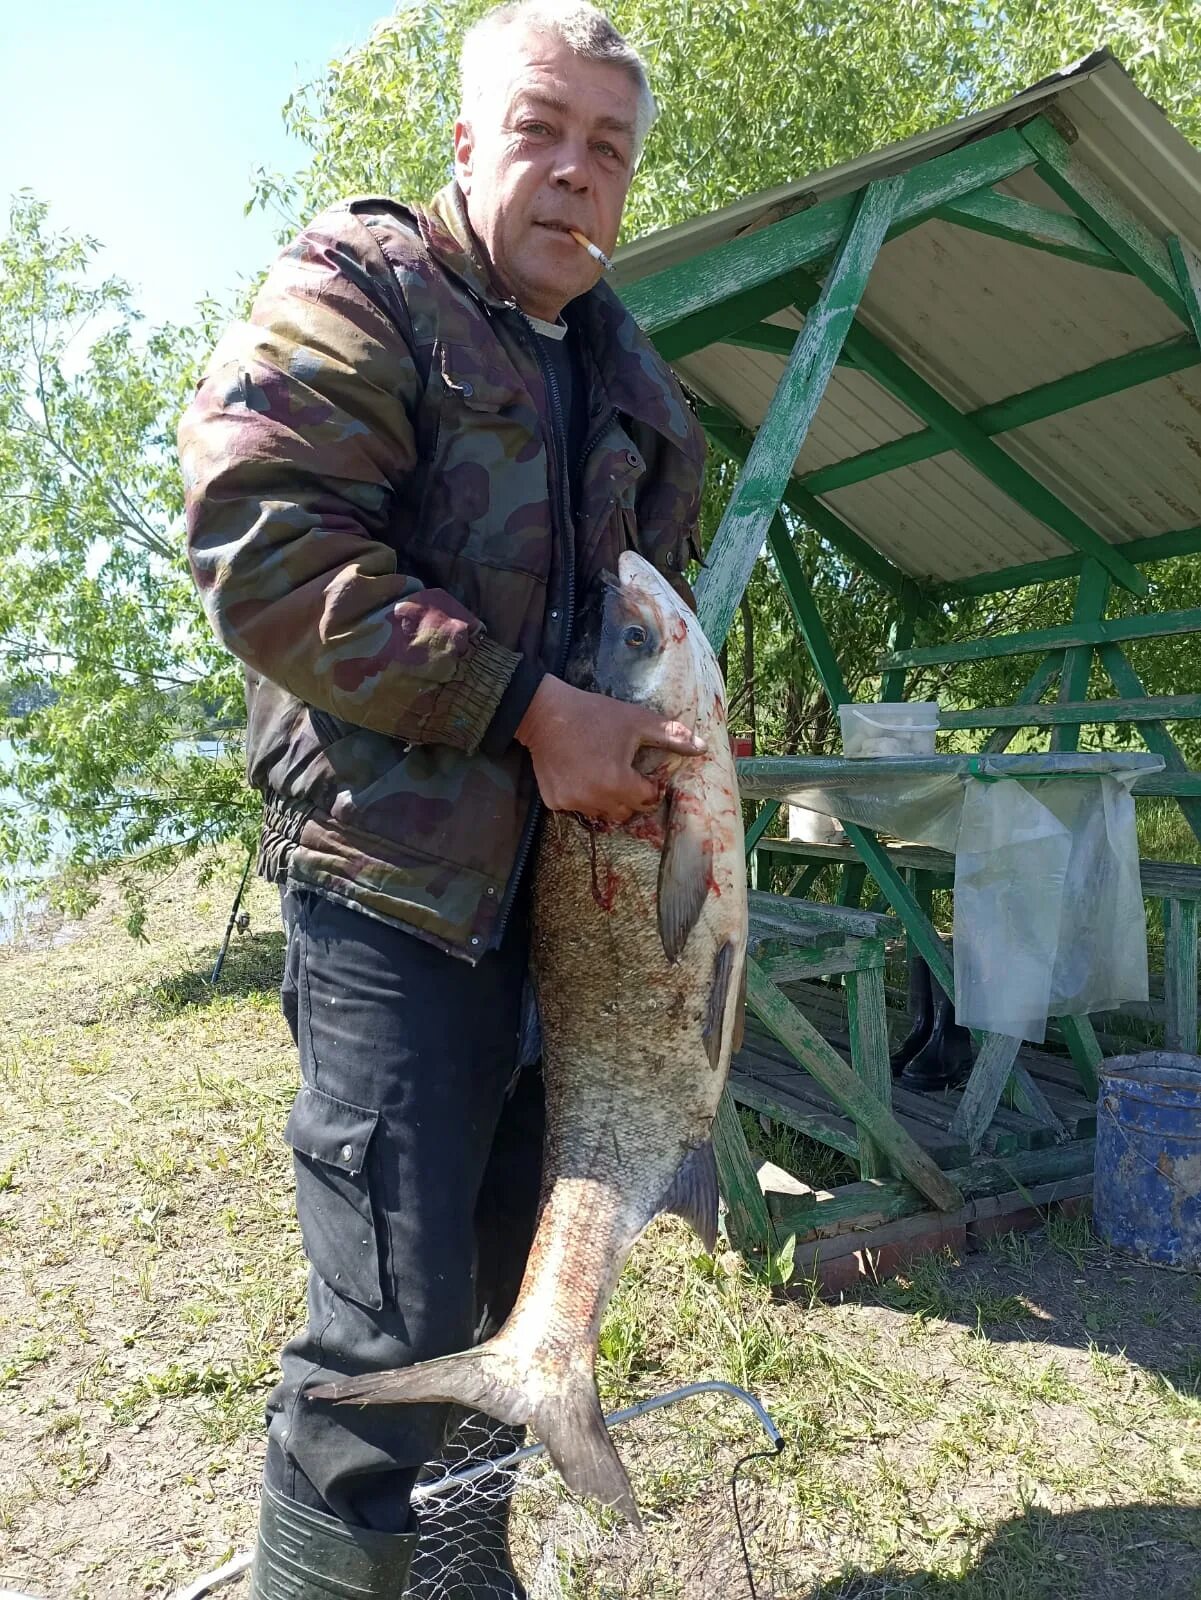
638,948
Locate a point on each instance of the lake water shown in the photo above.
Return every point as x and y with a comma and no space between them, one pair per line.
14,907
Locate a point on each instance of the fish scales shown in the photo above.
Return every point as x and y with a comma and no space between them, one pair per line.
638,945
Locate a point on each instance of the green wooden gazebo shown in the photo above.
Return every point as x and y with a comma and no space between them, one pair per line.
971,362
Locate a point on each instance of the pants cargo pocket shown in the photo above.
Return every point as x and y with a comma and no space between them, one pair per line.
330,1140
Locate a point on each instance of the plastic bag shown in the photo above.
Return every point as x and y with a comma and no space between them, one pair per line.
1049,917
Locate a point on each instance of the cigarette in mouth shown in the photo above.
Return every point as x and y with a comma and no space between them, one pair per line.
594,250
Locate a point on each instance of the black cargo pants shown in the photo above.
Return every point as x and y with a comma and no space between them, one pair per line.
417,1149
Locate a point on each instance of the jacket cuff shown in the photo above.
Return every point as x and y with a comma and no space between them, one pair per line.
478,691
523,686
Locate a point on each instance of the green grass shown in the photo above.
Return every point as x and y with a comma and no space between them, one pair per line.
1025,1424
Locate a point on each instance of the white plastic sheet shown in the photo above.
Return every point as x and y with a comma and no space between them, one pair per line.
1049,916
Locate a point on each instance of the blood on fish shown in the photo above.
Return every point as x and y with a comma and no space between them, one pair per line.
604,894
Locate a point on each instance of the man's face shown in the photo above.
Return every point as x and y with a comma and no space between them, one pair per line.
551,149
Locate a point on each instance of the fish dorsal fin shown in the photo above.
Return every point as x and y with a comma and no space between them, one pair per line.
715,1010
685,873
693,1193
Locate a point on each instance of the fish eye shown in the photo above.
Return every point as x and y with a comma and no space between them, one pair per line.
634,636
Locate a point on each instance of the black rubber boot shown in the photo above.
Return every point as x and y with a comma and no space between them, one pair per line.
946,1057
306,1555
921,1015
463,1538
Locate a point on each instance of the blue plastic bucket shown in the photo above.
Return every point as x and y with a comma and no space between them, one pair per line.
1147,1179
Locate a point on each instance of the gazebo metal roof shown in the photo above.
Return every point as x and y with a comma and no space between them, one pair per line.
1028,344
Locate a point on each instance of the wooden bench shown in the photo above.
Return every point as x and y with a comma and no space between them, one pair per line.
1176,884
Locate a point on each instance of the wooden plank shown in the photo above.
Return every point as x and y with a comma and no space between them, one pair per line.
1029,1098
1037,227
1158,547
1080,631
1085,1051
1043,676
871,1204
666,299
1092,593
777,1101
869,1115
816,914
894,374
756,498
1187,267
784,962
1156,708
901,898
989,1075
1112,376
1126,236
748,1220
892,681
1180,975
869,1056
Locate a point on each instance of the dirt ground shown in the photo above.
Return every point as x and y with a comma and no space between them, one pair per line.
1026,1423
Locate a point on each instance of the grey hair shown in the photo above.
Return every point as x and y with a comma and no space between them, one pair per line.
581,27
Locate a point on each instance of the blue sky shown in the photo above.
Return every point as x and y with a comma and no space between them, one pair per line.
140,122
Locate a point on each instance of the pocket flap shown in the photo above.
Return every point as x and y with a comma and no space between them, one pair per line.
482,380
330,1130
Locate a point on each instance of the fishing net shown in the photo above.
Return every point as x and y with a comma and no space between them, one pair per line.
714,1510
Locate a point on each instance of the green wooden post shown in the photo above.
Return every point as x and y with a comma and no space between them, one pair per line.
748,1221
823,1063
1156,738
805,613
850,892
868,1022
761,484
1180,975
1188,274
1085,1050
892,681
989,1076
1092,593
1037,227
764,818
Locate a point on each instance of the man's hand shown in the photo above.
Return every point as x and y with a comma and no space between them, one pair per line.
583,748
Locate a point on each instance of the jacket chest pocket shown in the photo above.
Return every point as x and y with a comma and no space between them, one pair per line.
486,501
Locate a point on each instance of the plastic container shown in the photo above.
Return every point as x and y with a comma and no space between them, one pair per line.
1147,1174
889,728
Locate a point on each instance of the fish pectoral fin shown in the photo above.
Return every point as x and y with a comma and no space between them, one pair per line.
571,1425
685,873
477,1378
719,995
693,1193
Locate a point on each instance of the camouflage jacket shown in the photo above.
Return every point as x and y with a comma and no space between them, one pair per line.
379,528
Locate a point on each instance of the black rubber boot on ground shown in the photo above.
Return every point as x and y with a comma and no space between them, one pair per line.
921,1015
946,1057
306,1555
463,1535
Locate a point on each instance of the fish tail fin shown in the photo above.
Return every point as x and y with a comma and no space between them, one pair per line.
481,1379
571,1426
567,1419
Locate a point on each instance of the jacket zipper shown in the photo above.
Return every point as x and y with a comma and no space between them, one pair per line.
558,431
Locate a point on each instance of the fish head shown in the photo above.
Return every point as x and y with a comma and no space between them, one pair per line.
637,640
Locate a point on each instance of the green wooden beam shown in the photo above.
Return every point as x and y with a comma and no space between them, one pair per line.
1157,739
893,373
725,431
1041,679
735,548
1126,236
665,299
1158,547
764,818
1068,635
1156,708
892,682
1092,593
1016,411
806,614
1036,227
1188,274
870,1115
769,337
748,1222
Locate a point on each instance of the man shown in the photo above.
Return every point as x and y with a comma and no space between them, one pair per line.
402,475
